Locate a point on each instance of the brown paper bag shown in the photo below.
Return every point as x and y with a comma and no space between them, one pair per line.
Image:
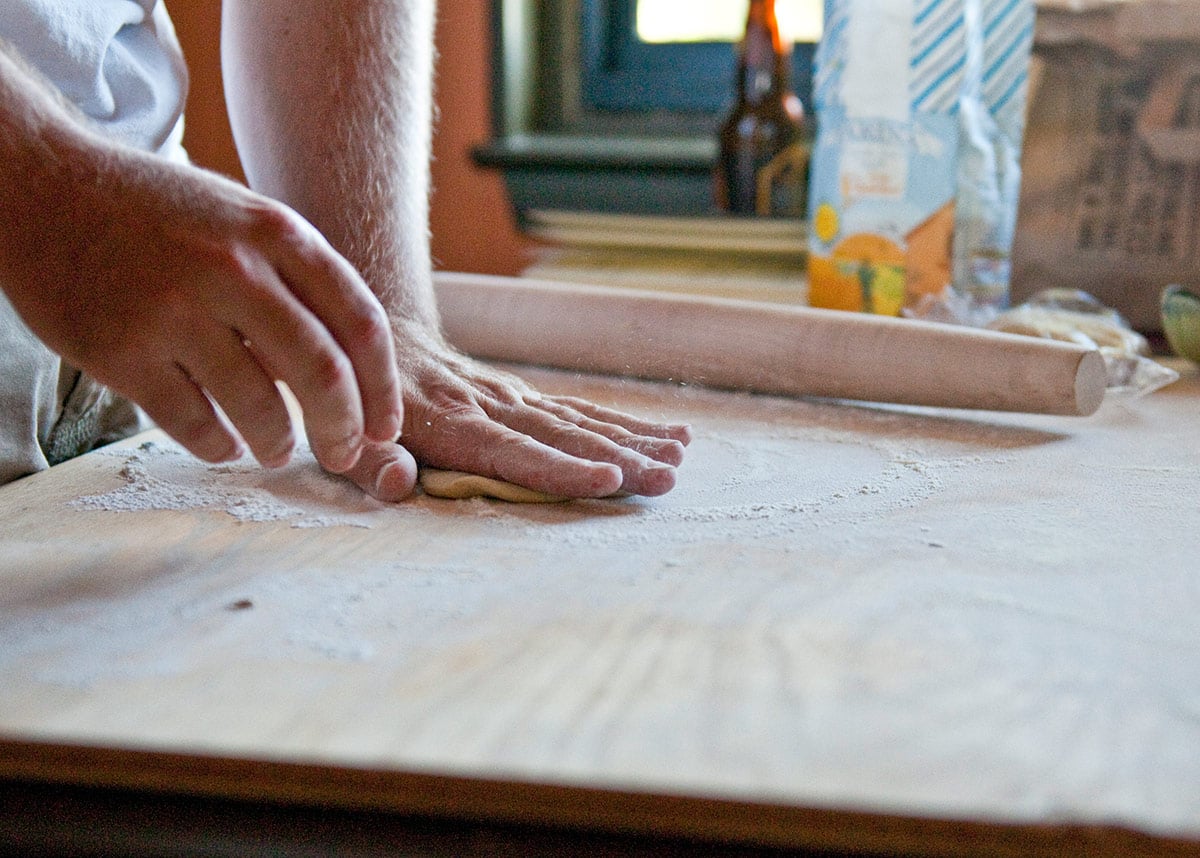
1110,195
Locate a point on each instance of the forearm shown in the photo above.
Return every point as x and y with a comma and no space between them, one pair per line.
52,164
179,289
331,106
32,118
23,116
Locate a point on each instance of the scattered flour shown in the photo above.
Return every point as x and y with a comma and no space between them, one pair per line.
163,476
799,465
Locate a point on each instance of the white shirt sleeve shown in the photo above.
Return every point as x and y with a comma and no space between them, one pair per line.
117,60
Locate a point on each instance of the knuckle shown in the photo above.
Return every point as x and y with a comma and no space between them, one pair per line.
563,436
236,263
566,436
369,326
330,371
498,399
509,396
508,450
273,222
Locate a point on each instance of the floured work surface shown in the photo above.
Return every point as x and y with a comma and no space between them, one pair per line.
849,625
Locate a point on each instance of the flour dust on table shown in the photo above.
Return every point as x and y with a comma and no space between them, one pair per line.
160,475
797,465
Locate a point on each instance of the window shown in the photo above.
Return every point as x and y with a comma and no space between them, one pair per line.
661,21
678,55
613,105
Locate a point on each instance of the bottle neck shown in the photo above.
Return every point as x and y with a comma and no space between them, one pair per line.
763,56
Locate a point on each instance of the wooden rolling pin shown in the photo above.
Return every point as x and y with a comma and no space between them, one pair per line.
765,348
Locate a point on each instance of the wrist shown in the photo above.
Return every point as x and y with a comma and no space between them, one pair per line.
423,331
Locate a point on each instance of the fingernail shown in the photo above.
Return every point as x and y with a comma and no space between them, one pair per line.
381,478
604,479
385,473
660,479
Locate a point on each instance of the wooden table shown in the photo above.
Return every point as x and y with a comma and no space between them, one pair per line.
851,627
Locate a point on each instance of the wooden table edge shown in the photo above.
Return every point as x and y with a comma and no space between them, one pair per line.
560,806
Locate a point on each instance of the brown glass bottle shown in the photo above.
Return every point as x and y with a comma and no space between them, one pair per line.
763,158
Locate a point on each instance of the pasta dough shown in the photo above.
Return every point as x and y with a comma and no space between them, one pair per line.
460,485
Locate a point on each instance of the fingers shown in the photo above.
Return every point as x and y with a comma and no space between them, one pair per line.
385,471
584,438
294,348
635,425
523,460
333,291
181,409
483,446
231,375
630,432
542,444
338,361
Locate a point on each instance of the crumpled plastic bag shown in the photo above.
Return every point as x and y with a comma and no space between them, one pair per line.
1074,316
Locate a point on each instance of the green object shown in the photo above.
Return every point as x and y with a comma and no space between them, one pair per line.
1181,321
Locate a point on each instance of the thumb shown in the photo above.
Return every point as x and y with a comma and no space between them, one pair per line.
385,470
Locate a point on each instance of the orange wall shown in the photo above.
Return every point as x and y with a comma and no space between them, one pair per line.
472,223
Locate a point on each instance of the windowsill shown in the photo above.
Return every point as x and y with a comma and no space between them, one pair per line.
685,154
655,176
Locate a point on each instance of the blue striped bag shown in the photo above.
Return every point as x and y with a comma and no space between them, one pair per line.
916,163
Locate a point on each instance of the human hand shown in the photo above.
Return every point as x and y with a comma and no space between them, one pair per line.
192,296
354,159
463,415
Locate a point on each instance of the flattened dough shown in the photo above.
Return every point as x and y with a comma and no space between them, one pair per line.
460,485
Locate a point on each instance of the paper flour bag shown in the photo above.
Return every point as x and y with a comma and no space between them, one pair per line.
915,172
1111,199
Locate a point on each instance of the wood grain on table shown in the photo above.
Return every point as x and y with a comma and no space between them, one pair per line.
852,627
